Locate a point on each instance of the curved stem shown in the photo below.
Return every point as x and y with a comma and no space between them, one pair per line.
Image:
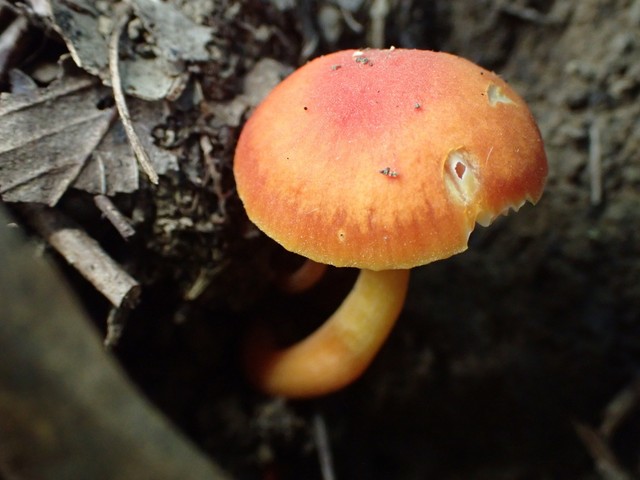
303,278
340,350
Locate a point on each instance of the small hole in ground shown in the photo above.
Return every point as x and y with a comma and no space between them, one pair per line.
460,168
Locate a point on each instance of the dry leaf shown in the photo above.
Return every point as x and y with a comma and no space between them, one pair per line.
86,29
45,137
79,24
176,35
262,78
112,167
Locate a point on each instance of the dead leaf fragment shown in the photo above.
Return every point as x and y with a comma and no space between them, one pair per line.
46,136
86,29
78,24
112,167
175,34
262,78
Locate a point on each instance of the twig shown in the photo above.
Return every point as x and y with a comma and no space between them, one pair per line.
606,462
202,281
213,168
324,450
84,254
310,36
595,164
527,14
619,408
116,82
9,38
115,326
378,14
350,21
117,219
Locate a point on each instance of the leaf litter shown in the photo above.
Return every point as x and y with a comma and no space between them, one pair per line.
68,133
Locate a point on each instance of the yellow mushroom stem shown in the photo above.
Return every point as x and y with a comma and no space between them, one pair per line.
339,351
305,277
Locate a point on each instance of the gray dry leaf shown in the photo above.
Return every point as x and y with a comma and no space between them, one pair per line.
79,25
262,78
112,167
176,35
57,137
45,137
86,29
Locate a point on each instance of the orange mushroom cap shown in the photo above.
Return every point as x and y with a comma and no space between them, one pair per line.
386,159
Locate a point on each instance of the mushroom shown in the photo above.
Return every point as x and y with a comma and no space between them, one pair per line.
381,160
303,278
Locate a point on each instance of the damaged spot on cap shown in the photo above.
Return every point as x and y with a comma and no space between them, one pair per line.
461,176
495,95
486,217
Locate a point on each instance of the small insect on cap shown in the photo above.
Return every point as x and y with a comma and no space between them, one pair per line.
385,159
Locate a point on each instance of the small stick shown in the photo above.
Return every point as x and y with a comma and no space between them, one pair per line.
322,444
10,39
114,69
595,165
84,254
527,14
115,326
606,462
378,14
117,219
213,168
202,281
619,408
